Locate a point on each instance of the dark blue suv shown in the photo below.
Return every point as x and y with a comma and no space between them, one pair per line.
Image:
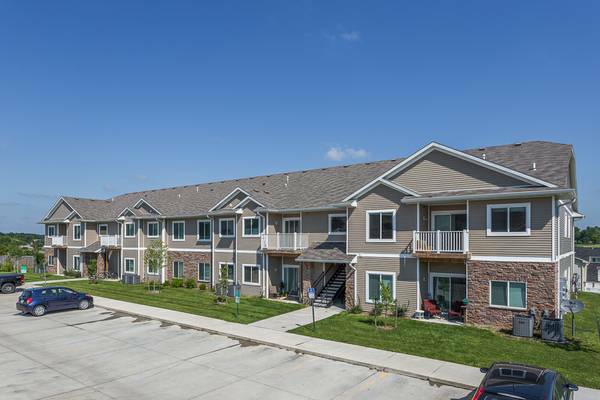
37,301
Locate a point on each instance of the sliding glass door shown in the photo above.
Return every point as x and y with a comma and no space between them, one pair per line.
448,290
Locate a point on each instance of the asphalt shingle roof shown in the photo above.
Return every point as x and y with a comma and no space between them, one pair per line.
316,187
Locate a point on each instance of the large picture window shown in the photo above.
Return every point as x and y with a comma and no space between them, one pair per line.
381,226
178,231
251,226
204,230
251,274
374,281
204,272
337,224
508,219
508,294
227,227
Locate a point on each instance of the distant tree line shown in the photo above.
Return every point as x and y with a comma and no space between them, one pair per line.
589,235
21,244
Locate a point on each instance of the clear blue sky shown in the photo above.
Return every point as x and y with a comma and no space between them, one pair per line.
105,97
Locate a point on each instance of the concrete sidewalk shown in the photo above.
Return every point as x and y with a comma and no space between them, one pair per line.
295,319
51,281
435,371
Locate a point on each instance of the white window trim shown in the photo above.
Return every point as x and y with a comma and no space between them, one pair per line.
369,212
100,228
51,257
157,229
329,232
129,223
173,231
244,274
527,232
592,259
74,238
198,230
210,269
125,265
152,273
182,269
367,273
228,264
507,307
244,227
291,219
227,219
55,230
74,257
445,212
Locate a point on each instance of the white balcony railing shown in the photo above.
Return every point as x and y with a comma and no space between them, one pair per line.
441,241
284,241
58,240
110,240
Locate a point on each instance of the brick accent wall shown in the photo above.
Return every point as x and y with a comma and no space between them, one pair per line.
542,290
349,293
101,264
51,268
190,264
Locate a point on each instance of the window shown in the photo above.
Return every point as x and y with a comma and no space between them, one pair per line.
102,229
595,259
77,232
129,229
204,230
178,231
50,260
381,226
51,230
230,270
130,265
152,270
177,269
508,219
374,280
291,225
76,263
448,221
251,226
251,274
508,294
567,225
153,229
227,227
204,272
337,224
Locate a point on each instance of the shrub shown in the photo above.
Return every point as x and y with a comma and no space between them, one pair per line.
202,286
73,274
7,266
355,310
177,283
167,283
189,283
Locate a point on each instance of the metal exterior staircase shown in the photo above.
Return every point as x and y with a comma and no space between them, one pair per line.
332,289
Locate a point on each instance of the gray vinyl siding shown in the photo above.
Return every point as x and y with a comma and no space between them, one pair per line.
253,259
223,242
70,229
406,279
566,243
144,239
191,235
381,198
138,262
70,253
248,243
438,172
316,224
275,264
565,266
91,233
538,244
61,212
131,242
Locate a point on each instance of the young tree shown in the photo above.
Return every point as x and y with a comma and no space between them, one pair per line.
92,270
387,297
155,257
222,285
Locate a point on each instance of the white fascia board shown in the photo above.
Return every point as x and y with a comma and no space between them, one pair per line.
448,150
123,212
231,194
246,200
148,204
56,204
400,188
486,196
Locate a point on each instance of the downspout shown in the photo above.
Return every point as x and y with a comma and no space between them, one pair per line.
212,251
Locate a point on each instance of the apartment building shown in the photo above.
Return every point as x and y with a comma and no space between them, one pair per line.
488,231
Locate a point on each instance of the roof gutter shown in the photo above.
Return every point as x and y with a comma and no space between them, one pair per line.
485,196
335,206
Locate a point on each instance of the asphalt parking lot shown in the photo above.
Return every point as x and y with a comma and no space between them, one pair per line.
99,354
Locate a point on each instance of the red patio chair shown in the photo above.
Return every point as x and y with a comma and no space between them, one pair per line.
431,308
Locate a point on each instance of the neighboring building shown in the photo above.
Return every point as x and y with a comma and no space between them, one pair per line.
493,225
588,259
17,262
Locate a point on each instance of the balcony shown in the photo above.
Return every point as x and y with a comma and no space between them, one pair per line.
284,242
110,240
58,241
441,244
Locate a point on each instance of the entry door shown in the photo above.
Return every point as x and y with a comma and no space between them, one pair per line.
449,222
291,279
291,225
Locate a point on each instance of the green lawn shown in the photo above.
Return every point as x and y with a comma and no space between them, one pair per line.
579,360
192,301
31,277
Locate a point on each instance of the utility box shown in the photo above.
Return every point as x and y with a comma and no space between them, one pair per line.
553,330
130,279
523,325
